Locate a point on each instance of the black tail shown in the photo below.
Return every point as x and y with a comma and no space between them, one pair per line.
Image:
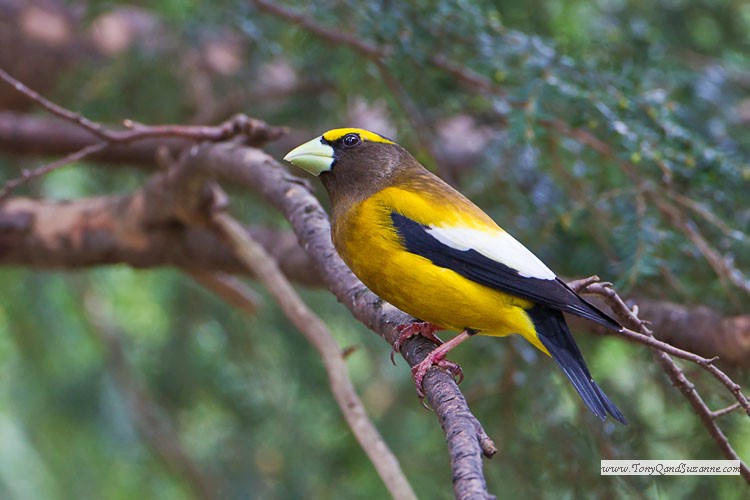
556,337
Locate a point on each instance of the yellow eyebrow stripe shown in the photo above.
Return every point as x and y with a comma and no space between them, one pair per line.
366,135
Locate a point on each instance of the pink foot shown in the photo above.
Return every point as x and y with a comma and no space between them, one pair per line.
409,330
419,371
437,357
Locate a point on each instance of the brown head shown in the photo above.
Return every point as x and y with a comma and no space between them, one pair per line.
353,163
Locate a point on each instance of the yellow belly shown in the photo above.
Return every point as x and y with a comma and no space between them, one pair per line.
371,248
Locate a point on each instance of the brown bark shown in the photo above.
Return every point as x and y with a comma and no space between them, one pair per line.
30,135
700,329
120,230
694,328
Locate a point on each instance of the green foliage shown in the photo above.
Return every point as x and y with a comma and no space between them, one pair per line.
662,84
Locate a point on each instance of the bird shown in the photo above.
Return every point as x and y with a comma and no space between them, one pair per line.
421,245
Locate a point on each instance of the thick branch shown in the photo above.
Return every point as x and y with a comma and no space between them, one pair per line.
699,329
123,229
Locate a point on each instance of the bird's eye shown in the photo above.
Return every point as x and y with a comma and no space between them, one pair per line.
351,140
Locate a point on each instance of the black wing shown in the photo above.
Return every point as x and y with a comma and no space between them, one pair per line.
473,265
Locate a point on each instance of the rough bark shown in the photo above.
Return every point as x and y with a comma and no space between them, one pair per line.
99,231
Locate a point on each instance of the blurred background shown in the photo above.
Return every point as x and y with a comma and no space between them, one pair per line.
609,136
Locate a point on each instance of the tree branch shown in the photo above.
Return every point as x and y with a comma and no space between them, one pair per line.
123,229
33,135
254,131
642,334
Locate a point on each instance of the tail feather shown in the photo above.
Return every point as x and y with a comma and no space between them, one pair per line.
554,334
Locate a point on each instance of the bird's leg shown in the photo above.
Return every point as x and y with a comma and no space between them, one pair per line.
437,357
409,330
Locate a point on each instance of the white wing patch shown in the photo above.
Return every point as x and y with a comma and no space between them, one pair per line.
498,246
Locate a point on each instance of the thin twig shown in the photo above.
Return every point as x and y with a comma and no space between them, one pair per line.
413,114
642,334
255,132
709,216
720,264
316,332
687,388
57,110
29,175
715,259
372,51
231,289
337,37
661,353
724,411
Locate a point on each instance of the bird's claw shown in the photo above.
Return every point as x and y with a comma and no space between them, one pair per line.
435,358
409,330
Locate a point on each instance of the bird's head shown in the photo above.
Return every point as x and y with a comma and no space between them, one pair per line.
351,160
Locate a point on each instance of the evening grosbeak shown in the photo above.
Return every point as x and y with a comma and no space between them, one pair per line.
425,248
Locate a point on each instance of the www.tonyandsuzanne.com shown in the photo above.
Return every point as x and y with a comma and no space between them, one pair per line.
670,467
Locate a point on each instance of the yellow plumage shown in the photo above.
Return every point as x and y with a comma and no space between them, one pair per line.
413,283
